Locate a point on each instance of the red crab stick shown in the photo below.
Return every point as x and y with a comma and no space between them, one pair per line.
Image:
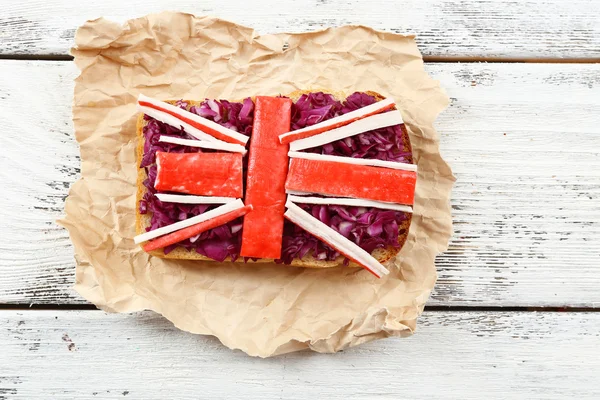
197,229
262,233
351,180
204,174
205,216
336,122
333,238
190,119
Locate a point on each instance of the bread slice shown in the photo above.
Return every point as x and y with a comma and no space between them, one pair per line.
143,220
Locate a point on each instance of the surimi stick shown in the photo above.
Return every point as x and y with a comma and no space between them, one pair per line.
349,249
204,144
191,231
384,120
225,208
348,202
262,232
204,125
352,160
337,122
348,180
173,121
202,174
190,199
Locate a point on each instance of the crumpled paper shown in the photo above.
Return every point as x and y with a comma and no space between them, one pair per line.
262,309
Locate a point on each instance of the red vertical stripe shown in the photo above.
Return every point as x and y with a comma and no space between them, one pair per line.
265,186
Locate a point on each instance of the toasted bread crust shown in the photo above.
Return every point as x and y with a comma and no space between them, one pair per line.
180,253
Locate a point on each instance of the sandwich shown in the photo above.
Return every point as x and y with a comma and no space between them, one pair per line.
312,179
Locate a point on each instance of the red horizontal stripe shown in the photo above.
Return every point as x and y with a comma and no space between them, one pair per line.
203,174
350,180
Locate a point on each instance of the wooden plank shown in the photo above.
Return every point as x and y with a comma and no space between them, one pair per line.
523,139
470,28
472,355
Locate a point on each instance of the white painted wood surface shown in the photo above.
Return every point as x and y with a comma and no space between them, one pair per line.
523,140
454,355
468,28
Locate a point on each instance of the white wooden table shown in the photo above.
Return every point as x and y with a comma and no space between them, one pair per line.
514,313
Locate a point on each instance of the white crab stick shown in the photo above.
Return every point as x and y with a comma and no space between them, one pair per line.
191,199
377,121
235,148
344,201
188,119
225,208
337,122
352,160
336,240
177,123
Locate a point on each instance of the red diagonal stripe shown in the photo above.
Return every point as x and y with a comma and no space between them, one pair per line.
204,128
194,230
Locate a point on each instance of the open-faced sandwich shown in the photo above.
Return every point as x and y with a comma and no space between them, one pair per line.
310,179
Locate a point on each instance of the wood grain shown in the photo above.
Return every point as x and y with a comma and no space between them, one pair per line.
523,140
458,355
534,29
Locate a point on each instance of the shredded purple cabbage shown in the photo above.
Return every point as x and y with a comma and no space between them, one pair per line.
217,243
313,108
235,116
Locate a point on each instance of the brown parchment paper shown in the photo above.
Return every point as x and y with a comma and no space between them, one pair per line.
262,309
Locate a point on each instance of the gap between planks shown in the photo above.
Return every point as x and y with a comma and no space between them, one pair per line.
491,309
427,59
468,28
